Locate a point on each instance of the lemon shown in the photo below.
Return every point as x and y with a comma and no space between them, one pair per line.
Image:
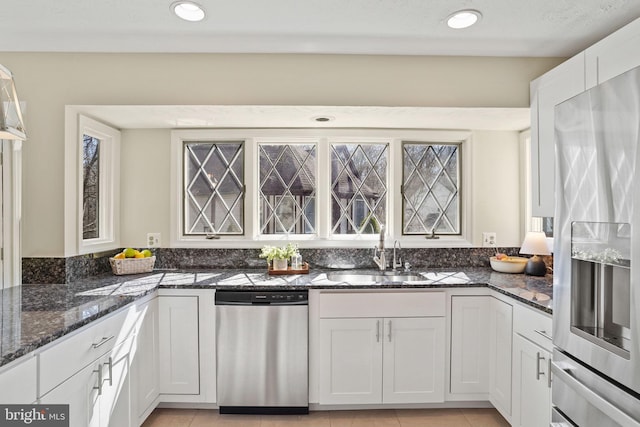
119,256
138,255
147,253
129,253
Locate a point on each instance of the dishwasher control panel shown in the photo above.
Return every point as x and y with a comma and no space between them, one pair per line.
262,297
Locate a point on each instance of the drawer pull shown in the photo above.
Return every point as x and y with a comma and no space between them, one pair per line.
544,334
389,330
377,331
538,359
110,363
99,386
103,341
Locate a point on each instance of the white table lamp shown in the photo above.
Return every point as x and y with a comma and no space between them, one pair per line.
535,243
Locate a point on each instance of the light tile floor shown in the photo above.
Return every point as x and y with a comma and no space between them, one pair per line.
373,418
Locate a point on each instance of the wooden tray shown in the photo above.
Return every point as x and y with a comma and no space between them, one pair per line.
289,270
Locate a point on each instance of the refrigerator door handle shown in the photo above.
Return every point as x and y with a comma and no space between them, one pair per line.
593,398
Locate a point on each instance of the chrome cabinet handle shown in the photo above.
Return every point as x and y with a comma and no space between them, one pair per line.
110,363
377,331
538,359
544,334
99,386
549,372
389,330
103,341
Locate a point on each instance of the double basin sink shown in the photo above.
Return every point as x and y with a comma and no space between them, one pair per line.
381,277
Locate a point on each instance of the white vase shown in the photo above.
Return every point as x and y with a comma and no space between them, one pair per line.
280,264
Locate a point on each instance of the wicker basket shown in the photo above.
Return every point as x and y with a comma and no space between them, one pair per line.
132,265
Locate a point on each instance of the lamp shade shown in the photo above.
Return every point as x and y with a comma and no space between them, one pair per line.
535,243
11,123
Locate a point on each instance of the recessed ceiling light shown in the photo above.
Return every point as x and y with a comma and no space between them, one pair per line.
187,10
463,18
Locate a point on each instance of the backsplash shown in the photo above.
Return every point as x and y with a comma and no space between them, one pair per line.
65,270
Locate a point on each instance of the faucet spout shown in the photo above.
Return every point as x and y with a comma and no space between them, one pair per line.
397,258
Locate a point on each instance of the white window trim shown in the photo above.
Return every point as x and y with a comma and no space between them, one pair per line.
11,181
323,137
109,204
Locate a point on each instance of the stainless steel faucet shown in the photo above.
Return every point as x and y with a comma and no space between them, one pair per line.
397,258
378,252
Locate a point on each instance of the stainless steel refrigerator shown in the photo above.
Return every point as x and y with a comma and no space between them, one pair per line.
596,312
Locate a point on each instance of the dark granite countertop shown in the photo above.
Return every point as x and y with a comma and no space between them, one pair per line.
35,315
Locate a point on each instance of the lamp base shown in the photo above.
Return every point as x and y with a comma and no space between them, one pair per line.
535,267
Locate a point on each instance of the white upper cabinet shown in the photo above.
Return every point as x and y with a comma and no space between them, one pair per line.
613,55
563,82
608,58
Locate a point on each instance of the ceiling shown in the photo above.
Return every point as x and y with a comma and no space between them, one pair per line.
407,27
525,28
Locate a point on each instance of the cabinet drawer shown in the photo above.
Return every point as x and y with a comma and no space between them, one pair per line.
533,325
18,382
382,304
73,353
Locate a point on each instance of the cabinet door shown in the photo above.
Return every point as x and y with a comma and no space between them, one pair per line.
531,385
470,344
500,353
350,361
413,355
178,343
613,55
554,87
18,383
78,392
145,360
115,397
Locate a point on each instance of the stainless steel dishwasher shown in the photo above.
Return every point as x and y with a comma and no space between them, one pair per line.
262,352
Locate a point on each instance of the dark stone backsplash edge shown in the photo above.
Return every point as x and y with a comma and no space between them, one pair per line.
65,270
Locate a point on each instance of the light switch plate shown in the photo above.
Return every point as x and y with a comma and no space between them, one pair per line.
489,239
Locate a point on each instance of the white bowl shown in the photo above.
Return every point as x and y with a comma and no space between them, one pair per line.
512,264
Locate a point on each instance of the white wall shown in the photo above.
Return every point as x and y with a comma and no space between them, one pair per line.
49,81
496,187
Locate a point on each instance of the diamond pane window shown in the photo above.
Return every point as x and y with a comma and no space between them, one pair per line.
214,188
430,192
358,188
287,189
90,187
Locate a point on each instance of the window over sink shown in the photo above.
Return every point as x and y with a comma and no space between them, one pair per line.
317,186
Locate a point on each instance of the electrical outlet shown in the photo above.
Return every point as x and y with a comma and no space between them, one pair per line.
489,239
153,240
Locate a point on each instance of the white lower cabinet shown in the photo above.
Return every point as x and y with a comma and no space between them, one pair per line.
532,387
19,382
500,354
470,344
178,345
381,360
145,361
99,394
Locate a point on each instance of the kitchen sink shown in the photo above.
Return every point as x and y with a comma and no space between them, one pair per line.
355,277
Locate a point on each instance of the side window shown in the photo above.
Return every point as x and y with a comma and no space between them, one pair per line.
430,188
287,188
213,191
99,175
90,187
358,188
